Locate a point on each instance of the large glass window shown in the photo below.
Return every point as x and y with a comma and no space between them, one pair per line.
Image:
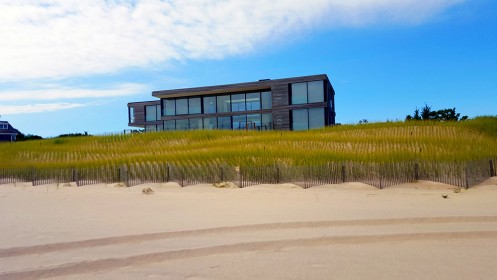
316,118
223,104
196,124
131,114
159,113
150,113
299,93
308,119
170,125
238,102
307,92
266,100
194,105
224,122
182,124
300,120
210,123
170,107
253,121
267,121
181,106
253,101
209,104
315,91
151,128
239,122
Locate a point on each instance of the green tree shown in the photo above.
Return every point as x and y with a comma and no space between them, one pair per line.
25,137
439,115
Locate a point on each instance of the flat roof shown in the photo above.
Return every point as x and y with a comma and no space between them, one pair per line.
264,84
144,103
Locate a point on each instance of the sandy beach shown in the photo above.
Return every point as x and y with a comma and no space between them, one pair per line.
345,231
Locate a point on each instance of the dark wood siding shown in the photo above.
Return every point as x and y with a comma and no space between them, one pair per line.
281,119
280,94
139,108
281,116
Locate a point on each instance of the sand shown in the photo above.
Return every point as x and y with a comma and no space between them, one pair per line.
345,231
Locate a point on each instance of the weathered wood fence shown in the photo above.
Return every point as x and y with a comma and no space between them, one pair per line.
380,175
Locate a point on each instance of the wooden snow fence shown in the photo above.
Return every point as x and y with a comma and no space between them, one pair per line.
380,175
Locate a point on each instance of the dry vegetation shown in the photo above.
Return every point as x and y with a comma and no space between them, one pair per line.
379,142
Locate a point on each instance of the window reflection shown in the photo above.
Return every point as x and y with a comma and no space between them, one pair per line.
300,120
224,122
210,123
170,125
170,107
253,101
223,104
307,92
194,106
238,102
266,100
209,104
181,106
196,124
182,124
239,122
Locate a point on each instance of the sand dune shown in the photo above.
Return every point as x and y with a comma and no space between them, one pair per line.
346,231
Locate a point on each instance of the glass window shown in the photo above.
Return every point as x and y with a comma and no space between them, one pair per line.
196,124
209,104
316,118
223,104
267,121
181,106
150,128
194,105
210,123
253,121
131,114
239,122
300,120
238,102
224,122
150,113
315,91
182,125
266,100
159,113
253,101
170,125
299,93
170,107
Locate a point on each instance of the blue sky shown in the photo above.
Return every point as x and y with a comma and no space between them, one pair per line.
72,66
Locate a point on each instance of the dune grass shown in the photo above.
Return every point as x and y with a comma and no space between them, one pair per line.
378,142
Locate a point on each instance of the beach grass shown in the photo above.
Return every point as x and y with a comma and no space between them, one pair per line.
473,139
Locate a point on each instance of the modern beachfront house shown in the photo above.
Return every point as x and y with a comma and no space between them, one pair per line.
298,103
7,132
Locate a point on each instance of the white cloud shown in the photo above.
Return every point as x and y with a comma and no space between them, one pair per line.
54,92
65,38
37,108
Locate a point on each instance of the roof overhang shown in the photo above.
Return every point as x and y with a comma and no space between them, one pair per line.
255,86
